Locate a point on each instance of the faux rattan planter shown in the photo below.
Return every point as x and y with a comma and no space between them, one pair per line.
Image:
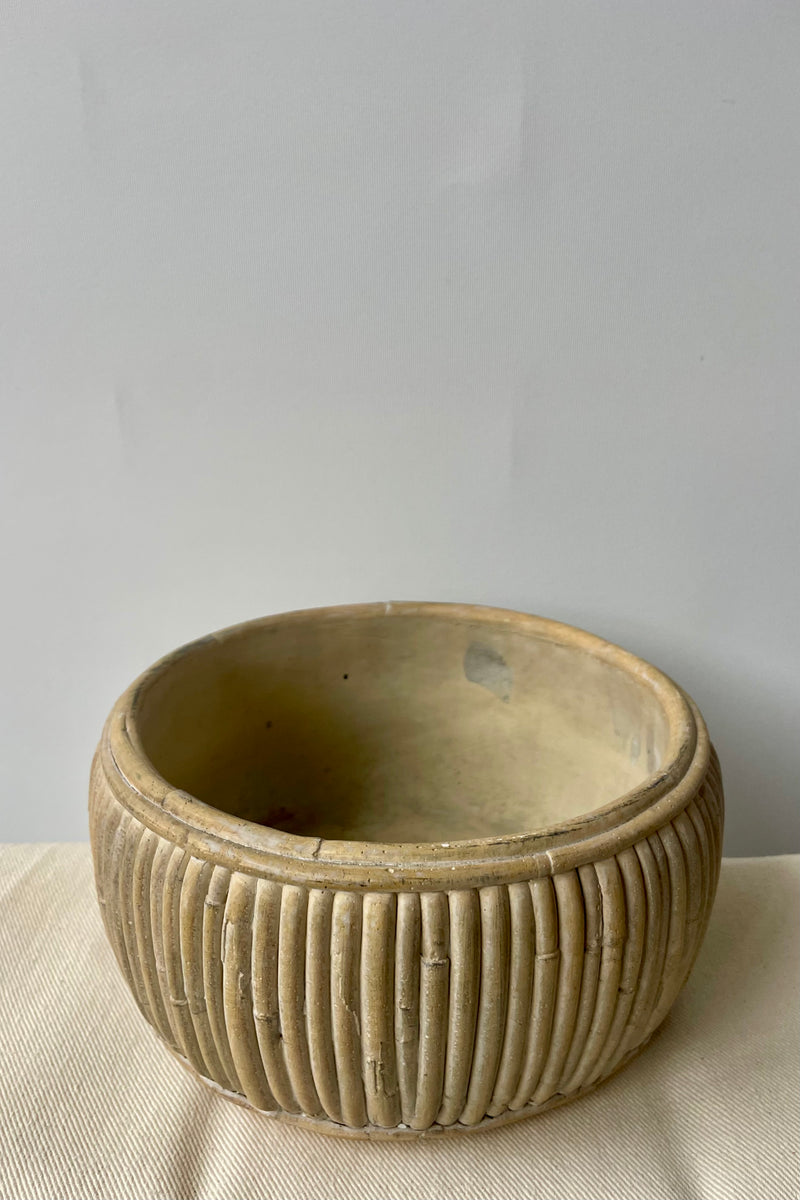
405,868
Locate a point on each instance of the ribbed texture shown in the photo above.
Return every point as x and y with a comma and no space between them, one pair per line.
379,1010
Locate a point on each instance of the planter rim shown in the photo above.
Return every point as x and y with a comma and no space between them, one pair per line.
243,845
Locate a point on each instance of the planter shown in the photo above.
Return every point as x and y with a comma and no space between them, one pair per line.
405,868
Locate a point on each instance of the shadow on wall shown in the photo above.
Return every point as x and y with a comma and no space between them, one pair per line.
753,725
758,742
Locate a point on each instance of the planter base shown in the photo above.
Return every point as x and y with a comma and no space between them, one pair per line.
376,1134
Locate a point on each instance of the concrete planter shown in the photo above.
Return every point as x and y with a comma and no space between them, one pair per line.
400,869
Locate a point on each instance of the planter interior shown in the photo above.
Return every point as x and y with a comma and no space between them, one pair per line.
377,728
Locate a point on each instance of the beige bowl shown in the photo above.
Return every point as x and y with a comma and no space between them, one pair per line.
405,868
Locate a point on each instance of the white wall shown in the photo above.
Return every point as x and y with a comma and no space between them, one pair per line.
311,303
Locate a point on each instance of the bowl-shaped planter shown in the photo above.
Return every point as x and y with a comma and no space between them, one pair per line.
405,868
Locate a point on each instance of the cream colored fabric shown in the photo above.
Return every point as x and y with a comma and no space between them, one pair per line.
91,1105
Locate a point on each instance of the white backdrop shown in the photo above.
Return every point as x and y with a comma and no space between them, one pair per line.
311,303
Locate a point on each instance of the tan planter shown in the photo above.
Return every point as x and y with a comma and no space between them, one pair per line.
405,868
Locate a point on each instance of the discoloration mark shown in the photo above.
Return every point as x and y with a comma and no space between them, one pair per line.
351,1009
487,667
380,1072
651,749
270,1019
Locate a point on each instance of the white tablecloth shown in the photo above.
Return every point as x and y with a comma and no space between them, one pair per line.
91,1105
